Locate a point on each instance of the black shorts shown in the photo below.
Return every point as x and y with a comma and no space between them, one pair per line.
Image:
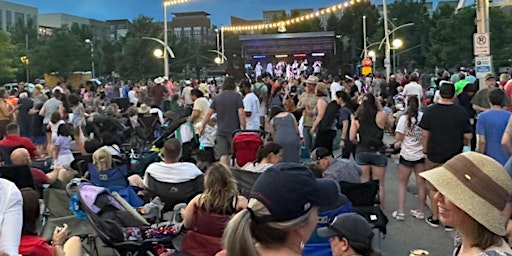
411,164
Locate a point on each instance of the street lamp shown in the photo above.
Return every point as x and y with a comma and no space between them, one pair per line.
158,53
218,60
89,41
166,57
397,43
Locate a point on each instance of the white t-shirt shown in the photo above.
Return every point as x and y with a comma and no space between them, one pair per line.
113,150
132,96
54,127
252,104
411,89
202,105
186,95
335,86
412,149
171,173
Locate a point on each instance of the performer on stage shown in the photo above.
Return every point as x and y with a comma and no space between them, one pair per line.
317,68
270,69
258,69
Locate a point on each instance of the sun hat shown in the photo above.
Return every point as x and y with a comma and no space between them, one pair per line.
478,185
188,82
351,226
39,87
57,88
289,191
319,153
143,109
159,80
312,80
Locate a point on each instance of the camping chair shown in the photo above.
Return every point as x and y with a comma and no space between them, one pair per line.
6,153
245,180
56,212
175,193
366,202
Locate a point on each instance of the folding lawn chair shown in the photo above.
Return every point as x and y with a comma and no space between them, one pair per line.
175,193
245,180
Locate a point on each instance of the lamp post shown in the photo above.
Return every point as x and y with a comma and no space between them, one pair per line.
89,41
386,37
364,37
218,60
397,43
166,57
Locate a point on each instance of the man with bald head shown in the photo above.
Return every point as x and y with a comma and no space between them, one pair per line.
21,156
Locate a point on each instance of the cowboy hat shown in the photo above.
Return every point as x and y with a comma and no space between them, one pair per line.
478,185
159,80
144,109
312,80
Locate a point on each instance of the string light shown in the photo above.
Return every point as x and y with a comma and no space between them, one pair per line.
282,23
175,2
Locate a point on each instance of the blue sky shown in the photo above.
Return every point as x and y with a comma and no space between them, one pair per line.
220,10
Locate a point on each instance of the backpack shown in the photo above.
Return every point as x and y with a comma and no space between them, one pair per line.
262,96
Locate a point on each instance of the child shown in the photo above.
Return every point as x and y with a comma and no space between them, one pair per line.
61,150
207,142
51,129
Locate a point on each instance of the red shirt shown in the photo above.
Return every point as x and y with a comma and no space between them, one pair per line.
12,141
39,176
34,246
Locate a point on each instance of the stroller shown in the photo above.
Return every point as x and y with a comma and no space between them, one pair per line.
245,146
118,225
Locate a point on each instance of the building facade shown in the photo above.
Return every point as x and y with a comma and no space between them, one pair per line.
118,28
195,26
11,13
50,21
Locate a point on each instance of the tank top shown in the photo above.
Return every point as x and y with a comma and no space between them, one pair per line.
370,136
2,116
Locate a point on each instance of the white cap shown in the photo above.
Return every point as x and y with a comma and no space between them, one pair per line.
57,88
187,82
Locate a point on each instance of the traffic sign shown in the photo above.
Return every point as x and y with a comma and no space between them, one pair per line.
483,66
481,44
367,62
366,70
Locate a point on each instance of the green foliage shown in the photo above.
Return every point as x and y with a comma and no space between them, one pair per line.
7,58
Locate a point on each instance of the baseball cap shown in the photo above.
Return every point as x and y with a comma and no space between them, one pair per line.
290,190
351,226
319,153
490,76
57,88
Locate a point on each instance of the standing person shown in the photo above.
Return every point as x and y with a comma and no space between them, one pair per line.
307,103
369,123
481,99
262,92
187,93
413,88
230,117
345,118
6,111
491,127
24,118
38,131
326,112
200,108
11,209
52,105
159,92
445,129
285,132
78,111
335,87
469,205
62,154
132,95
251,106
464,99
408,138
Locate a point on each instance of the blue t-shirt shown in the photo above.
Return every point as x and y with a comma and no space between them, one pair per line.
491,124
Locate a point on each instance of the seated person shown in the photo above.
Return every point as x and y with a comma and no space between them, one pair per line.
170,170
349,234
32,244
58,177
268,155
111,144
87,148
335,168
208,213
108,122
14,140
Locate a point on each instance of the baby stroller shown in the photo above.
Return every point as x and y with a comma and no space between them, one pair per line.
118,225
245,146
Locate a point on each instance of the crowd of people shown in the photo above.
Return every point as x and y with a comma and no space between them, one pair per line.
95,129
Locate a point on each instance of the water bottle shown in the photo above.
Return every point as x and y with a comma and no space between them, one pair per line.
201,146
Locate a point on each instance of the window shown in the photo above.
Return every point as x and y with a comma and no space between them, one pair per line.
187,31
177,32
8,20
197,32
121,26
19,17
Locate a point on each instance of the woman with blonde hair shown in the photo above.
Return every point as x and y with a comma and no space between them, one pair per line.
473,191
281,214
208,213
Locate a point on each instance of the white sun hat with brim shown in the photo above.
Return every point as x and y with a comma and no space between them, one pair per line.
478,185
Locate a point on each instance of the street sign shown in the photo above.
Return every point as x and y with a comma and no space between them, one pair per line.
387,63
367,62
483,66
366,70
481,44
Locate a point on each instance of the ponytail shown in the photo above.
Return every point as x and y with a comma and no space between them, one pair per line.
237,238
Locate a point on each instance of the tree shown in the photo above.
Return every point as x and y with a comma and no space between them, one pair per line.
7,58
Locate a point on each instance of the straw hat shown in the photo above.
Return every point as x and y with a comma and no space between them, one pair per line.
312,80
478,185
159,80
143,109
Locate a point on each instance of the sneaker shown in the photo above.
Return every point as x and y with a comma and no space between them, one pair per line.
448,228
432,222
398,216
417,214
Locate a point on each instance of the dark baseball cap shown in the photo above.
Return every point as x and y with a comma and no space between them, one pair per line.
290,190
351,225
319,153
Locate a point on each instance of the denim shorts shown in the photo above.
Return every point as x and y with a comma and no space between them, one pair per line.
371,158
